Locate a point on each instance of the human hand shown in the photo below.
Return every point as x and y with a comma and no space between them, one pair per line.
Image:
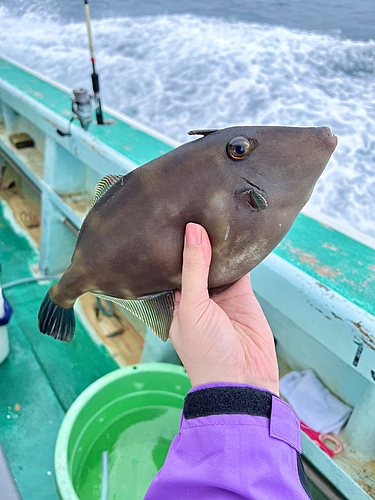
226,338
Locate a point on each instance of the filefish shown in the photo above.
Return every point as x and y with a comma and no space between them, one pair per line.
245,185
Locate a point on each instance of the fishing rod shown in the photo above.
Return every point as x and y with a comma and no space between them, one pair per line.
83,104
94,76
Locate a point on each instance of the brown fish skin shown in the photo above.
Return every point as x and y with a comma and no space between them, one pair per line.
130,244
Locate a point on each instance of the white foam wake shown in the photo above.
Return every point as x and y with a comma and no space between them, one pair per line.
182,72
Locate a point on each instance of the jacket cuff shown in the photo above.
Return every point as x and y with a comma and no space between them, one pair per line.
243,399
225,400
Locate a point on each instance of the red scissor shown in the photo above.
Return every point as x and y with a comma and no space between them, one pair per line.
319,439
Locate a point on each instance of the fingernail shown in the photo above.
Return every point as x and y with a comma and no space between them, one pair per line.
193,234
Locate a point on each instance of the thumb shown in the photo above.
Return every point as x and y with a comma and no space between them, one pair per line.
195,267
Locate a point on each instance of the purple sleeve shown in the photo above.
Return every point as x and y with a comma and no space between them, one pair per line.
236,441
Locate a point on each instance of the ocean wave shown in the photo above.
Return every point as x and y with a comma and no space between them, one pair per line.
180,72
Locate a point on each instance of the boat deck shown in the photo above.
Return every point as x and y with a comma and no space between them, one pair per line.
41,377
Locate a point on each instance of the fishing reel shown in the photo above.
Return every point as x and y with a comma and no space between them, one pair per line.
83,106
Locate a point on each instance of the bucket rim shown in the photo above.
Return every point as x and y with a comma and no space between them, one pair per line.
64,483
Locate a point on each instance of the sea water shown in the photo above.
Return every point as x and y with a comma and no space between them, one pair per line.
178,66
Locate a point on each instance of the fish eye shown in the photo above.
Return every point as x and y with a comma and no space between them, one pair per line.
238,148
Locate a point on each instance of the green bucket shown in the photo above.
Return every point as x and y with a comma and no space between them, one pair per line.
132,413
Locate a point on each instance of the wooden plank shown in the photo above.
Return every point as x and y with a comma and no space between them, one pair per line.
26,213
126,347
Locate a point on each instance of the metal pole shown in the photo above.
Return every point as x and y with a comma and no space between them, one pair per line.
94,76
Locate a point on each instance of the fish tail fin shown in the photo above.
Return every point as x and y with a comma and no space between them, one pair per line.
55,320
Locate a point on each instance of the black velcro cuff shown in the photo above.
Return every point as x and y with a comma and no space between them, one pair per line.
227,400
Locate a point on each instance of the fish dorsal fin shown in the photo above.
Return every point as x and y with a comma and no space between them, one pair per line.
103,185
155,310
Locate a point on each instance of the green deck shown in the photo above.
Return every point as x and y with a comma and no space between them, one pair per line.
42,375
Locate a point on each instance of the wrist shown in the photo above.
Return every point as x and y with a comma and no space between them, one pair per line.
209,385
267,385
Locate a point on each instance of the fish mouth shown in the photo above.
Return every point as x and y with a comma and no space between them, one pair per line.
326,135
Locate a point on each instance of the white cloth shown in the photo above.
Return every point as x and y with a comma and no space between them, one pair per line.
313,402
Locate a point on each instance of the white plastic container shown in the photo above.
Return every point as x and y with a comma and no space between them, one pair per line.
5,313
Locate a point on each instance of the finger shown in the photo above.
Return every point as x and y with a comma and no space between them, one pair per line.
196,265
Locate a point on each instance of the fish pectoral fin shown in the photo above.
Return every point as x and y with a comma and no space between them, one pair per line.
155,310
103,185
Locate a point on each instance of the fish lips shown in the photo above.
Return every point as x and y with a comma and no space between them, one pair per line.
326,136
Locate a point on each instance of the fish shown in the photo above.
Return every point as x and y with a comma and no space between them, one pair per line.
245,185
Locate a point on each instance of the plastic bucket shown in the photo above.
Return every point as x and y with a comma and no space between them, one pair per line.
134,414
5,314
